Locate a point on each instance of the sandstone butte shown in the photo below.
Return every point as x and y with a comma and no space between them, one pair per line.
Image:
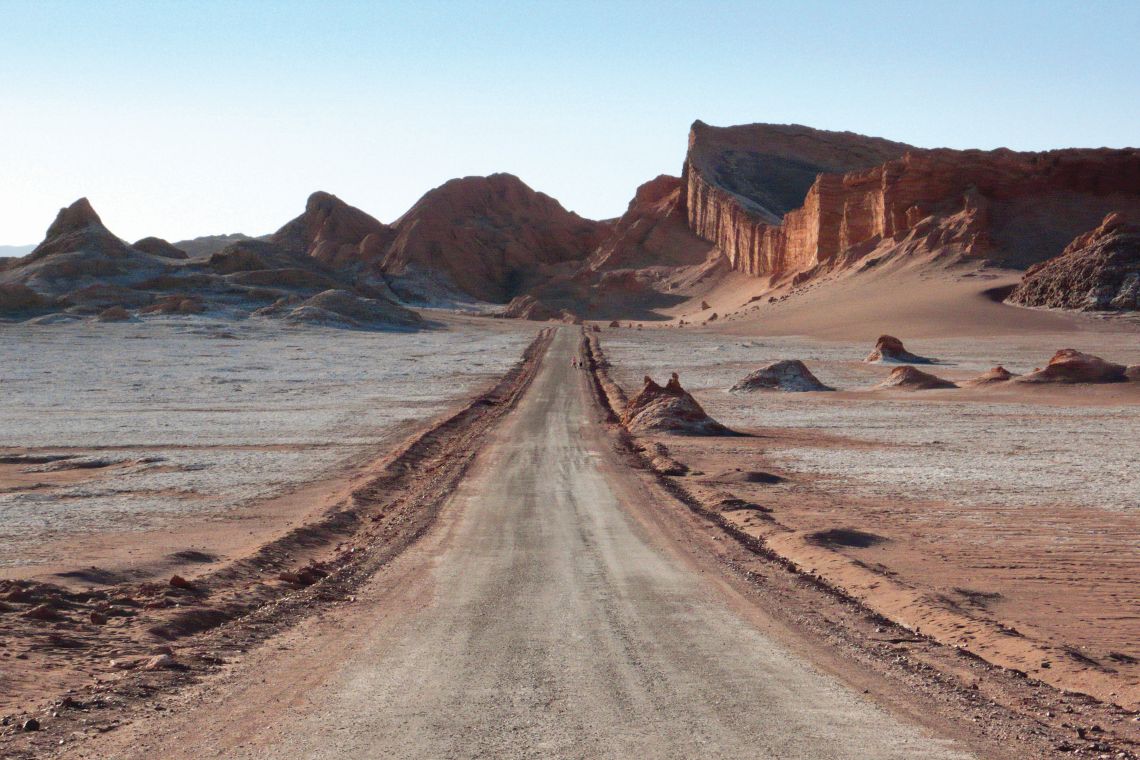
784,200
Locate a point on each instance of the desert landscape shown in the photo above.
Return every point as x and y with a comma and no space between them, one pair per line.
825,447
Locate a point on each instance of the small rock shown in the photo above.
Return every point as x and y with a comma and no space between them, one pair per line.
42,612
177,581
160,662
98,618
31,724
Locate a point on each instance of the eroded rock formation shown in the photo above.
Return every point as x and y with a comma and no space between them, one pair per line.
788,375
669,409
1072,366
913,379
653,232
888,348
1099,270
779,200
490,237
993,376
335,233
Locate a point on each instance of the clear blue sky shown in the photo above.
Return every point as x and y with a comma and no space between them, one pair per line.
187,118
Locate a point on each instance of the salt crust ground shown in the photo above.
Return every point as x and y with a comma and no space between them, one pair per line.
970,447
229,413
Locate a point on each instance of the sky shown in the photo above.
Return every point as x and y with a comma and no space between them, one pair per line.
180,119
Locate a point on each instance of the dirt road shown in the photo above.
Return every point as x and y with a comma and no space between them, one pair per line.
536,620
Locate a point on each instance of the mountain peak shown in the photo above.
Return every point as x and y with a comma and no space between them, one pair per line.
77,216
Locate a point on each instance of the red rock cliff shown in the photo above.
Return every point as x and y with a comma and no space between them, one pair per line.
1017,208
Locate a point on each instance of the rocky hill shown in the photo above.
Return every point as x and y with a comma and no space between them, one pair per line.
1098,271
491,237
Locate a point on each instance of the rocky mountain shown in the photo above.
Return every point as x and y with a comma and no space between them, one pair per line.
1098,271
79,252
335,233
82,269
780,200
490,237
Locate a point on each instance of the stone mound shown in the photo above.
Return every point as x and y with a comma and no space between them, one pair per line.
910,378
669,409
339,308
788,375
998,374
1098,271
1072,366
888,348
114,314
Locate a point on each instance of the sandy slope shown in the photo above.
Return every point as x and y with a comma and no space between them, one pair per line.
537,621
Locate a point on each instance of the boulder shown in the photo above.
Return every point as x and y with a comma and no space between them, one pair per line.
669,409
890,349
1072,366
787,375
910,378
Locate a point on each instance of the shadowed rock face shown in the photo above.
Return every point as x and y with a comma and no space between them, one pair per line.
910,378
789,375
1098,271
873,196
669,409
652,232
1072,366
490,237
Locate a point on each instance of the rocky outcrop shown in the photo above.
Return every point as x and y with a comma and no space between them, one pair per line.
993,376
652,232
742,181
17,298
669,409
912,379
335,233
79,251
340,308
890,349
159,247
1072,366
790,375
208,245
749,192
490,237
114,314
1098,271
